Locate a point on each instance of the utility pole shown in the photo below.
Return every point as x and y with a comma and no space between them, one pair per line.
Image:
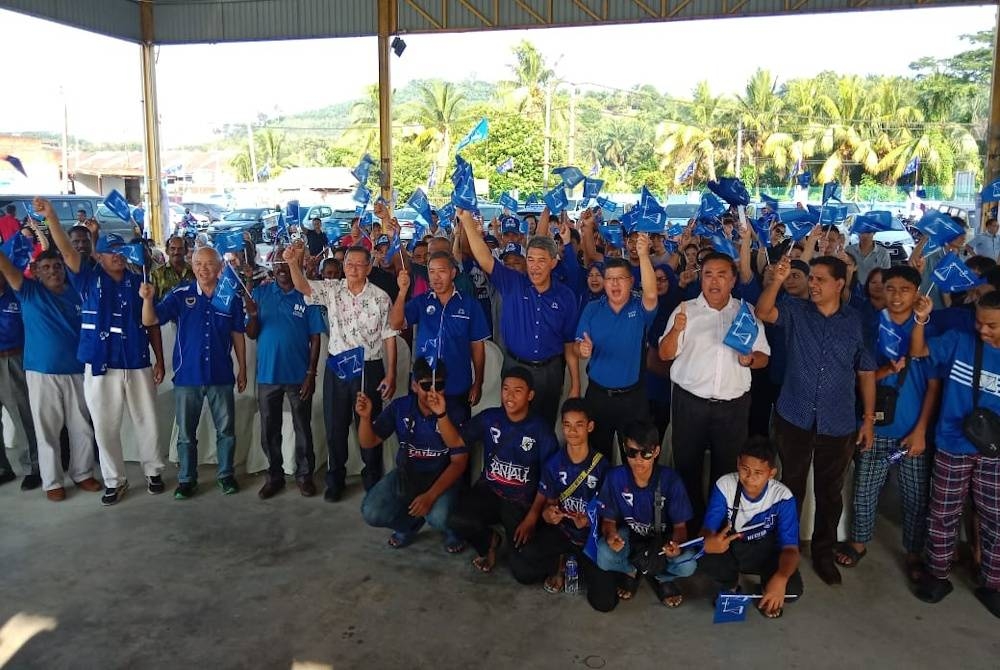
253,153
571,144
65,143
739,149
548,134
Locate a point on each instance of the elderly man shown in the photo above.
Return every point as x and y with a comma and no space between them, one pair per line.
176,271
538,318
208,331
869,255
358,314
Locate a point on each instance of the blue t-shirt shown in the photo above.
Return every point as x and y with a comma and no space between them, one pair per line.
11,323
619,341
558,473
53,319
953,354
448,329
627,503
286,324
513,452
420,443
772,513
203,350
535,326
911,394
111,330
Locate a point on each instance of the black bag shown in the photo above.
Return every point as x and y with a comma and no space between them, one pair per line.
886,398
646,553
982,426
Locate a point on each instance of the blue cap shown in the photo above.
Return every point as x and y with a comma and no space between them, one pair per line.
489,239
510,224
511,249
106,243
382,239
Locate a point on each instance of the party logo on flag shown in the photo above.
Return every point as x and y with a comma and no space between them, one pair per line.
347,365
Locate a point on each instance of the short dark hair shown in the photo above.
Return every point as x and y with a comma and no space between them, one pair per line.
423,370
358,249
620,263
761,448
990,300
522,373
575,405
642,433
717,256
330,260
446,255
50,254
83,230
419,243
904,272
980,264
837,267
992,277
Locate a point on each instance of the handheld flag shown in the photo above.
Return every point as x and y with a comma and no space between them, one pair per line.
613,236
594,507
912,166
508,202
686,174
418,201
506,166
724,245
731,607
478,133
446,215
464,193
650,217
591,187
281,232
798,223
952,275
226,242
133,253
30,209
16,163
991,192
629,219
769,202
804,179
116,202
226,289
571,176
833,214
347,365
394,247
706,227
831,191
532,200
432,177
556,200
893,342
362,195
939,227
363,169
18,250
711,207
608,207
731,190
743,332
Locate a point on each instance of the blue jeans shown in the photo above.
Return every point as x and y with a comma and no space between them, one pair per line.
617,561
188,401
384,507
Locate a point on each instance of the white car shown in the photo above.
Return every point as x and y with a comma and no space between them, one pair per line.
177,215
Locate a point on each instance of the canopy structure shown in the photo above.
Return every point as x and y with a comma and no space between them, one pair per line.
153,22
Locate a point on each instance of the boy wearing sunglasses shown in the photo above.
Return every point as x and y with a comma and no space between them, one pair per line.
634,497
430,461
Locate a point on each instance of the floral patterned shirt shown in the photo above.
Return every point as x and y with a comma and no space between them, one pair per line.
360,320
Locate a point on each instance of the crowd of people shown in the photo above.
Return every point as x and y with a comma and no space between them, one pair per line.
813,384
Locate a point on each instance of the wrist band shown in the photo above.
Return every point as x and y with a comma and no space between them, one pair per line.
921,323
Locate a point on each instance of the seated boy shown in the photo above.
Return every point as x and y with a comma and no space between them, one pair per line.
752,527
631,542
430,461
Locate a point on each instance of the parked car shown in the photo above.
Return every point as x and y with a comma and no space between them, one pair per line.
212,211
252,219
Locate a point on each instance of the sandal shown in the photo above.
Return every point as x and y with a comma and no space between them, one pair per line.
453,544
627,586
668,593
554,583
847,556
399,540
486,563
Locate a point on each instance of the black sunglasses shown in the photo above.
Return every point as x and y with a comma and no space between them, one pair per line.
646,454
427,384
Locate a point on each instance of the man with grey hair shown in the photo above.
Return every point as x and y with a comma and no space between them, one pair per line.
538,320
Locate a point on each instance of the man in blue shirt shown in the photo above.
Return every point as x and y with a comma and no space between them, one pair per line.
114,346
630,541
815,422
287,333
54,377
207,334
752,527
516,443
611,333
538,319
451,327
958,465
429,464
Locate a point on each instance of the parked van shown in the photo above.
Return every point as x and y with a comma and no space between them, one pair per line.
66,207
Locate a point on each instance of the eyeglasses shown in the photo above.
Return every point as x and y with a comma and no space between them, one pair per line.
437,384
646,454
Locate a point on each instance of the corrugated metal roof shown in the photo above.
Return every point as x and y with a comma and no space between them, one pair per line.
116,18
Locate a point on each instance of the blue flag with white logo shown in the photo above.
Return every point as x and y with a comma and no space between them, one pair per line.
508,202
613,235
418,201
363,169
706,227
743,333
831,191
116,202
347,365
769,202
594,507
18,250
446,215
939,227
952,275
731,607
829,214
133,253
912,166
556,200
226,289
30,209
991,192
592,187
686,174
731,190
478,133
724,245
226,242
571,176
394,247
506,166
711,207
875,222
464,194
362,195
893,342
798,223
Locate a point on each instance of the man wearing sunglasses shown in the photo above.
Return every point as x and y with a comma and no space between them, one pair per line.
430,461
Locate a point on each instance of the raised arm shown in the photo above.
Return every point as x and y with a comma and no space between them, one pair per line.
921,317
70,255
480,251
293,256
14,277
397,315
646,274
767,308
542,229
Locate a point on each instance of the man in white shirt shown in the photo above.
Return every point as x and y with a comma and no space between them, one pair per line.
711,393
868,255
986,243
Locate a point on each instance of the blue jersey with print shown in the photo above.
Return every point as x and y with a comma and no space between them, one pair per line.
911,394
619,341
772,513
953,354
286,324
111,330
11,323
448,329
420,443
535,326
54,322
513,452
625,502
203,350
558,473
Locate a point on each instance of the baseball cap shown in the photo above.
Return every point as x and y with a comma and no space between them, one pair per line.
512,249
106,243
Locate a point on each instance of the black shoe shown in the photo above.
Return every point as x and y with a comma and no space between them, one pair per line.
154,485
827,570
333,495
185,490
990,598
933,590
7,476
307,488
270,488
113,496
228,485
31,482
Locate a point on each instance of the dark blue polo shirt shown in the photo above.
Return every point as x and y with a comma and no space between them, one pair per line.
111,330
535,326
11,323
619,341
628,504
203,350
449,329
286,323
53,319
420,443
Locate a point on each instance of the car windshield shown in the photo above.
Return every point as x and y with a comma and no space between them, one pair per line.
682,211
241,215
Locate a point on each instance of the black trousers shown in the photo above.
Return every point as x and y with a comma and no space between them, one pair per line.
829,456
763,395
270,403
541,560
748,558
699,424
338,413
548,383
611,413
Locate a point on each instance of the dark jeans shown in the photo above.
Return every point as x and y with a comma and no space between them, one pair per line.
270,402
548,385
473,515
763,395
338,412
611,413
385,506
829,456
748,558
541,560
699,424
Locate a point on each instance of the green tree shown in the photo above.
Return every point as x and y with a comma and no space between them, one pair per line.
530,76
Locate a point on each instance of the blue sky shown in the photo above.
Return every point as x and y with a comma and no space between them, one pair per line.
202,86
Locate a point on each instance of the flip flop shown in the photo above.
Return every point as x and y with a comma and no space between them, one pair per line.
550,584
846,551
665,590
479,562
454,544
399,540
629,584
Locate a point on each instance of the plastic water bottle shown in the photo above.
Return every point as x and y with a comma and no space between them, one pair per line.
572,582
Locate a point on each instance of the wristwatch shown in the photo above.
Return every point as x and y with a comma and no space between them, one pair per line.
441,415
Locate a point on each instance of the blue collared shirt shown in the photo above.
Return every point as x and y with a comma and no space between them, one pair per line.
824,355
619,341
53,319
286,324
202,352
111,330
11,323
535,326
448,329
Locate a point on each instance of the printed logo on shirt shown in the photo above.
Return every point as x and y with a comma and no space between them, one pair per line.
575,505
409,423
627,497
637,527
190,302
299,310
509,474
759,530
13,307
527,443
495,434
562,478
591,482
633,313
989,382
422,452
555,305
431,309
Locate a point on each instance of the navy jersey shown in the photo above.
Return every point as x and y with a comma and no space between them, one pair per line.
558,474
627,503
420,443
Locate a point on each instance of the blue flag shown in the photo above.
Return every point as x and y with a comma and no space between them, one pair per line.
446,215
571,176
508,202
724,245
432,177
608,206
629,220
952,275
594,507
743,333
831,191
613,235
281,231
592,187
706,227
362,195
394,246
116,202
875,222
226,290
762,225
347,365
16,164
533,199
133,253
711,207
363,169
418,201
686,174
18,250
833,214
556,200
479,133
226,242
30,209
731,190
464,194
893,342
650,216
798,223
804,179
991,192
506,166
939,227
731,607
912,166
769,202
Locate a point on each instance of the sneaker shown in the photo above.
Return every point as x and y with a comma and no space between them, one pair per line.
185,490
154,485
7,476
31,482
112,496
228,485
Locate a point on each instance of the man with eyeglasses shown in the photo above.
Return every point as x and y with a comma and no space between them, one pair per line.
611,334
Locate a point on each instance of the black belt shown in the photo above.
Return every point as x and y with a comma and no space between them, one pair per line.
537,364
612,392
710,401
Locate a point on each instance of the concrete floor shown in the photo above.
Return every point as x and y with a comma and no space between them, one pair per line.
235,582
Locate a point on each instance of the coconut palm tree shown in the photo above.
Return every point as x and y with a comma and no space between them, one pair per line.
531,75
759,110
364,122
703,134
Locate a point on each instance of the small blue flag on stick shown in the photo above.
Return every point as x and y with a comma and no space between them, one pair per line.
731,607
116,202
16,164
506,166
347,365
592,187
556,200
743,333
893,342
508,202
226,289
571,176
226,242
18,250
363,169
952,275
478,133
731,190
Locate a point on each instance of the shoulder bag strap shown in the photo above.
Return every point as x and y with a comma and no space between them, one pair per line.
571,489
736,505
